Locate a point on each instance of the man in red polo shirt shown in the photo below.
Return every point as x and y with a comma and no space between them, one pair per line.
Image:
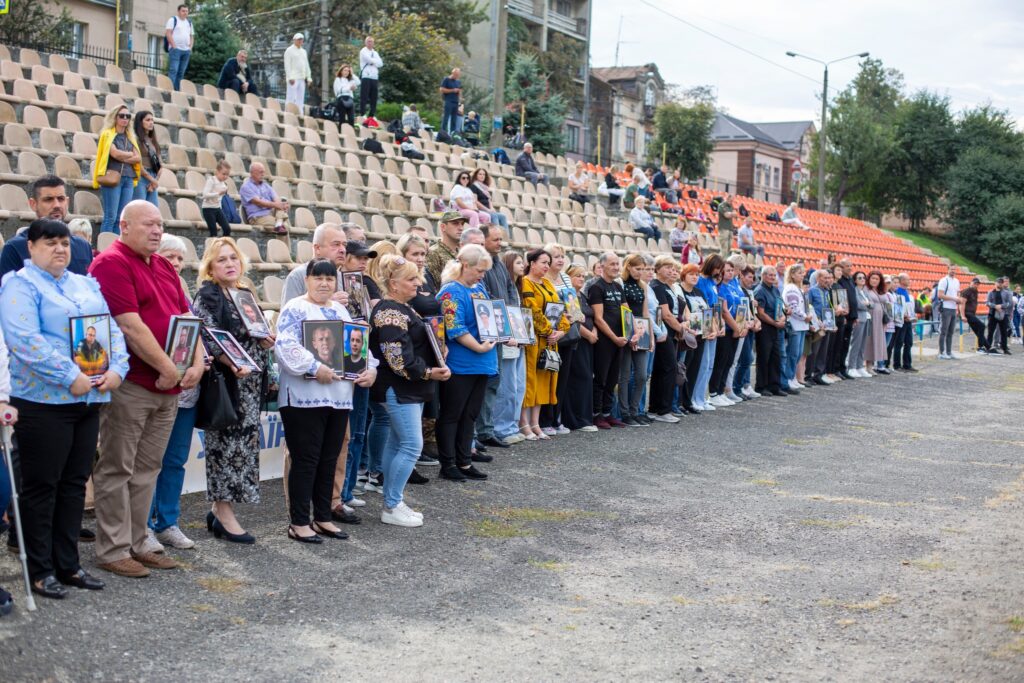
143,292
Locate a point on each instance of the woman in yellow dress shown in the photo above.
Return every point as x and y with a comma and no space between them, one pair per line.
536,293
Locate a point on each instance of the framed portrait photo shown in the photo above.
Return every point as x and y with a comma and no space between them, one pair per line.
828,320
527,314
90,344
742,311
252,317
627,323
485,323
716,319
518,325
897,308
553,312
358,296
182,339
572,305
645,341
230,347
707,322
356,339
435,323
501,320
325,340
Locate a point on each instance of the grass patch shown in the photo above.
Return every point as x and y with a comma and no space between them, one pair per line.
764,482
220,584
844,623
194,525
549,565
1007,494
944,248
827,523
952,530
798,442
238,621
868,606
683,600
510,514
1009,650
1016,624
925,564
494,528
201,608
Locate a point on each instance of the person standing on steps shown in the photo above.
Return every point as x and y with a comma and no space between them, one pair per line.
297,71
370,64
180,38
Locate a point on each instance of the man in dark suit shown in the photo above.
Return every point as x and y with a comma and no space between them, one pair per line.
235,75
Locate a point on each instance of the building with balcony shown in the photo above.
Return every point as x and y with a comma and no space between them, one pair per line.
622,103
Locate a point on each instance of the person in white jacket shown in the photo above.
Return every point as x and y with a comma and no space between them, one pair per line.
297,71
369,65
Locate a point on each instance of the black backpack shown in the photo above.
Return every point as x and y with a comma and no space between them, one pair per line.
373,146
167,46
443,136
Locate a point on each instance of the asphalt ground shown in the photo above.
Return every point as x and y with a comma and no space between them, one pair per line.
866,531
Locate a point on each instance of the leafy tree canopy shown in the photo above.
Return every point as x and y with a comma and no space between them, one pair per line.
685,133
216,43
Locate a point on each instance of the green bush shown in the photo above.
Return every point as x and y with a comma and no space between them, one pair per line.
390,111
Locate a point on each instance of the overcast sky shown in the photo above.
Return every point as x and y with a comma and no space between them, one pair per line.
972,51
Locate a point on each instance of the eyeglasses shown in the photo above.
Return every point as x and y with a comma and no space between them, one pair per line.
124,116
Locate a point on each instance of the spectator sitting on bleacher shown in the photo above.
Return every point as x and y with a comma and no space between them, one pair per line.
261,204
610,188
630,194
526,167
642,221
579,184
234,75
82,227
215,188
117,164
48,197
679,236
745,240
660,182
328,242
471,128
345,85
484,191
411,120
691,252
789,217
464,201
644,183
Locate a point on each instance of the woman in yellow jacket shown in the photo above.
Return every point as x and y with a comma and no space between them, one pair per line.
536,293
116,152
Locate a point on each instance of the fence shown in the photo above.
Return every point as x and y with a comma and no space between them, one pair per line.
101,55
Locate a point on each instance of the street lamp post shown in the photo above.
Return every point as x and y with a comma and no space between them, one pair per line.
824,113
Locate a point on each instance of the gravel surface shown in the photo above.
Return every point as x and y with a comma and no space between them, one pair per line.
867,531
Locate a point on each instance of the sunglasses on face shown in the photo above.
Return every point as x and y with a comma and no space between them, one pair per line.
124,116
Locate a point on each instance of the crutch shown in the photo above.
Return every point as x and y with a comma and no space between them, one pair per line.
6,448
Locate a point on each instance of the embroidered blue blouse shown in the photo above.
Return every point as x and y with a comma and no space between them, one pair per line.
459,318
35,311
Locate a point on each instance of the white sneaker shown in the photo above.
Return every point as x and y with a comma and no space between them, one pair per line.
513,439
356,503
793,384
588,428
669,417
410,510
731,396
151,545
708,405
173,537
400,517
749,392
826,380
720,401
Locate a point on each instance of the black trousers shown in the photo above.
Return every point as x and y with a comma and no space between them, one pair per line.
663,377
844,334
692,359
978,328
725,353
345,111
551,414
578,406
314,437
368,96
57,443
461,397
215,217
817,362
768,360
836,360
901,345
607,357
1004,330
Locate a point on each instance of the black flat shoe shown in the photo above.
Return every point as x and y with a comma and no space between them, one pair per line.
49,587
452,474
6,602
481,457
86,536
220,532
210,519
494,442
82,579
340,535
480,447
339,515
417,478
472,473
314,539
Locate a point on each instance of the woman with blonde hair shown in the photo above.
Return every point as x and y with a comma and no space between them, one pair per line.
470,360
796,310
232,453
380,421
117,167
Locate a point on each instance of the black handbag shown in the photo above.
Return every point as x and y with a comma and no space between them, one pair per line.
680,373
548,359
217,400
571,337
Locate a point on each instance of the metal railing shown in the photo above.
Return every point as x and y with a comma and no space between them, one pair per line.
100,55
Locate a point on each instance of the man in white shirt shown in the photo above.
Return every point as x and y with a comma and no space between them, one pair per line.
369,65
297,71
180,39
948,293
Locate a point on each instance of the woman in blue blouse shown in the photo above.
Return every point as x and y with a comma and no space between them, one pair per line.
729,293
470,360
707,285
58,403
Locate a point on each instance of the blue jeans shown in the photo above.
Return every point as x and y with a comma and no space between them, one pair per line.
142,193
356,439
511,391
177,62
651,232
166,506
114,199
405,441
376,436
742,376
885,363
700,386
451,112
498,218
794,350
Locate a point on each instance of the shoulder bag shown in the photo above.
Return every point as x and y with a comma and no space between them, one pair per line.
217,399
548,359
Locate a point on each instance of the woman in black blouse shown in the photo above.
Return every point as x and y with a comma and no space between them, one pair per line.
405,380
634,360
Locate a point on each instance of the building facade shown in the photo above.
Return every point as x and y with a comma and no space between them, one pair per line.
623,100
95,28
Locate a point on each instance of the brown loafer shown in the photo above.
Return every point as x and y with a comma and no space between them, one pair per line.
155,561
126,567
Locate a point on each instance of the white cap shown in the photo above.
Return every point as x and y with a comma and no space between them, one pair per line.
298,36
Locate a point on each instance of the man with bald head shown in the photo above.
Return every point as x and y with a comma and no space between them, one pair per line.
328,242
261,204
606,297
143,292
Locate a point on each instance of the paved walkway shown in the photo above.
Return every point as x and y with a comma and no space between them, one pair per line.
867,531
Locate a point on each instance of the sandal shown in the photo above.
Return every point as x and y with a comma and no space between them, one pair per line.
527,433
540,433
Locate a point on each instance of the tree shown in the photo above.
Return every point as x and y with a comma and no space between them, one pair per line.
685,133
416,57
545,111
924,147
216,42
37,23
1002,243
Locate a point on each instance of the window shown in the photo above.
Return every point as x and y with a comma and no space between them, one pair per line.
572,138
154,48
564,7
648,140
77,37
778,177
757,174
630,140
649,95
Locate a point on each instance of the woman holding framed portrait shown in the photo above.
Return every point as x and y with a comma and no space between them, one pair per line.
536,292
405,380
314,402
578,407
694,304
232,453
634,359
56,402
551,415
710,275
